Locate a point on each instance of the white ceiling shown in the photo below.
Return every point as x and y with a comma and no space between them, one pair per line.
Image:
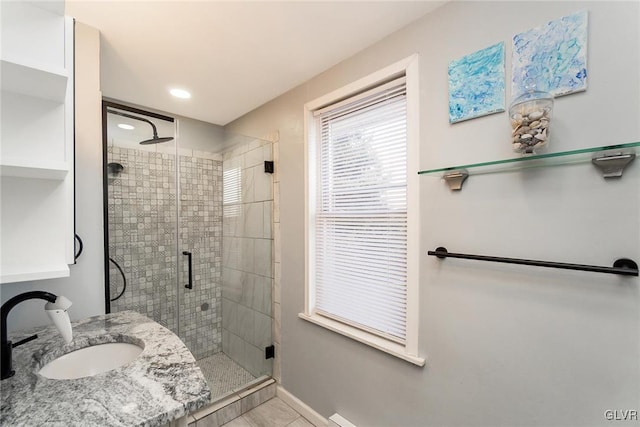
233,56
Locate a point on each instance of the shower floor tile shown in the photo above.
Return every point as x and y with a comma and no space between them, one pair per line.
223,374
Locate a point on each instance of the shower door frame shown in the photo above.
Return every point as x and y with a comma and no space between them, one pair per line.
105,193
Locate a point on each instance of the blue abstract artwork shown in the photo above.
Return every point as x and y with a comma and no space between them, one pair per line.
552,57
476,84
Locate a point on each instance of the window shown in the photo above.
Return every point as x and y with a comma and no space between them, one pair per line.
361,253
232,192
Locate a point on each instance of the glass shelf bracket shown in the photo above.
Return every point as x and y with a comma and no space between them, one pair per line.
613,165
610,159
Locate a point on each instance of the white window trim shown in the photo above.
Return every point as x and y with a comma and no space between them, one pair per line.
408,351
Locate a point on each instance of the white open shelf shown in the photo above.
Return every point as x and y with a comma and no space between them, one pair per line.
23,274
55,7
30,168
32,79
37,150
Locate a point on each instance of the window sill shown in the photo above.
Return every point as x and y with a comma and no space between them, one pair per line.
367,338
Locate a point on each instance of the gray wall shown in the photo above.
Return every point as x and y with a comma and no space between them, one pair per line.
506,345
85,286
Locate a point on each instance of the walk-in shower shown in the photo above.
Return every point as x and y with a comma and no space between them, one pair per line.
188,238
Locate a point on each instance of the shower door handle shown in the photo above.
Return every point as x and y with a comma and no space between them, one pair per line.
189,257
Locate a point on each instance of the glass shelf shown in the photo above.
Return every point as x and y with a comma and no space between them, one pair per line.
458,173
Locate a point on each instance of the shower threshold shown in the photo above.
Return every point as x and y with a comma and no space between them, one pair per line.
224,409
234,390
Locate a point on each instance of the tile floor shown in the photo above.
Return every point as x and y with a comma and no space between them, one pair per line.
223,374
272,413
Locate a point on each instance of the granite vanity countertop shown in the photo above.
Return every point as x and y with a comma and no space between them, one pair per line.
162,384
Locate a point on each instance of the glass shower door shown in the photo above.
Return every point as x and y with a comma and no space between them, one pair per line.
247,267
200,249
225,227
142,214
190,238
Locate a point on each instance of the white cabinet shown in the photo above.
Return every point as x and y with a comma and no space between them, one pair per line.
37,145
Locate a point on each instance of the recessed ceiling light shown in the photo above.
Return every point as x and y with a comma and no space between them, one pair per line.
180,93
126,126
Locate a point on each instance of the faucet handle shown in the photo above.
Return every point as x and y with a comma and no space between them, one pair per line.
58,314
62,303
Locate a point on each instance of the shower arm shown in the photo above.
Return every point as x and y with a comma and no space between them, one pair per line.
118,113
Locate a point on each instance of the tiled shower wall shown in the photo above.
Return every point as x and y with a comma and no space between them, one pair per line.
247,267
201,234
144,241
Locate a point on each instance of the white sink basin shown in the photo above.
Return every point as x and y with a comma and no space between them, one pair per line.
90,361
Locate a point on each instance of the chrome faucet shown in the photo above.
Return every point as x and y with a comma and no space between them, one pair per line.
56,308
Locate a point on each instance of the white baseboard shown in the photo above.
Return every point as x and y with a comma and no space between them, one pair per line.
337,420
302,408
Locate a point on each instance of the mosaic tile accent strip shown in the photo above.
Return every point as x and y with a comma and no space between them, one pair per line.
145,239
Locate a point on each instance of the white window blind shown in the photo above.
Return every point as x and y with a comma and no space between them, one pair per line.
232,192
361,211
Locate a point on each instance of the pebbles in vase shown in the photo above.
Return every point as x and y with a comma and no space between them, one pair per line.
530,129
